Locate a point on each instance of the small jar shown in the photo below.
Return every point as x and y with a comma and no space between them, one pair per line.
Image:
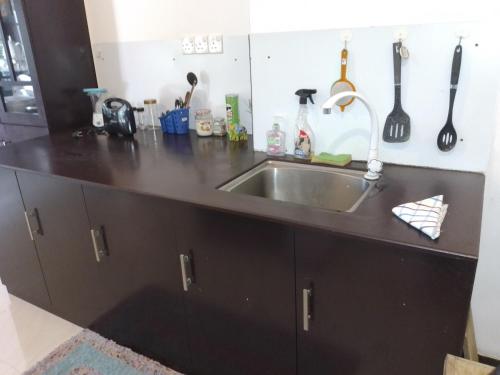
204,122
139,118
220,129
151,116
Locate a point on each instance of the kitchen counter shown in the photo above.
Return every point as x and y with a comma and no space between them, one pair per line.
189,169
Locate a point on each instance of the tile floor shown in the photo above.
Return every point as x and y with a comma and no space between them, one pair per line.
28,334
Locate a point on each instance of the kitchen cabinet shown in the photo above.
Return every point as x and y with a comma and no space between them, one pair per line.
239,281
211,292
20,268
45,61
141,274
377,308
61,231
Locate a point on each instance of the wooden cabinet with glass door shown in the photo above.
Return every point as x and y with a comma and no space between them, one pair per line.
19,90
45,62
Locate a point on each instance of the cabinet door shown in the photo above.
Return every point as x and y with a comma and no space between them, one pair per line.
142,275
241,297
20,268
377,308
62,234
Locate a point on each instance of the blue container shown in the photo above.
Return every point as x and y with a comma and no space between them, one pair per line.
167,124
176,121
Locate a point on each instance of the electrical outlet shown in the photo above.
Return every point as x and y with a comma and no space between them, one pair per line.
201,44
215,43
188,45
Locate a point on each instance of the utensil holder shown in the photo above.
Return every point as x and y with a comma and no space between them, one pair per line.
175,121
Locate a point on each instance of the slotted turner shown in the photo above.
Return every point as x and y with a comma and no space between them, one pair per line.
447,137
397,127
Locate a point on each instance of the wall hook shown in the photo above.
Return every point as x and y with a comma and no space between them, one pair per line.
400,35
346,36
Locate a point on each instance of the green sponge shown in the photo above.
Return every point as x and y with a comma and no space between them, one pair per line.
340,160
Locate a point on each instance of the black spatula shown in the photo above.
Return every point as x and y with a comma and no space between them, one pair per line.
447,137
397,127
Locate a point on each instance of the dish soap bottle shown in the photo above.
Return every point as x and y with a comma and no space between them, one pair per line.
304,139
276,140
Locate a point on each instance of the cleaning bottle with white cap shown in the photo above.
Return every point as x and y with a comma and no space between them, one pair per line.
304,138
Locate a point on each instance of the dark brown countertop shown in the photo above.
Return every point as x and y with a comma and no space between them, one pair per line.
189,169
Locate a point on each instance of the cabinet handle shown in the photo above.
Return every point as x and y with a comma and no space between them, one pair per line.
186,270
99,244
306,306
29,215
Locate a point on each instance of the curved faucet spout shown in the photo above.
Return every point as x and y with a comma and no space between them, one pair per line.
374,165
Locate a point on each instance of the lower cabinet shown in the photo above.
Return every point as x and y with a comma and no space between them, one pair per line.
239,281
60,227
141,274
20,268
370,308
206,292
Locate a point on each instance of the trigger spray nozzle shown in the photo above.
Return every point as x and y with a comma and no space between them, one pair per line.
305,94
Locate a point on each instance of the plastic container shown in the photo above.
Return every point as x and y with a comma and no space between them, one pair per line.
276,141
151,116
204,123
233,117
304,136
139,118
220,129
97,97
176,122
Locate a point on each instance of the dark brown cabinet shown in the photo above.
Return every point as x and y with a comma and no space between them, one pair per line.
207,292
45,62
61,231
19,264
141,274
377,308
239,276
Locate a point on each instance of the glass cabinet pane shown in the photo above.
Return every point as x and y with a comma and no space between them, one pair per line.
13,39
4,65
19,99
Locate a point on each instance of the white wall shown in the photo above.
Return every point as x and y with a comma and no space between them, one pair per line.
291,15
137,51
486,297
158,69
146,20
311,59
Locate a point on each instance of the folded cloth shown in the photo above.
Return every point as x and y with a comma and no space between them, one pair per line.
427,215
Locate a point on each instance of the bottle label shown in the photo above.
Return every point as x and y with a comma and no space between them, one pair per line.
303,146
274,141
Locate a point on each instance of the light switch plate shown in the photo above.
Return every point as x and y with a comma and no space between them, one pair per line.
188,45
215,43
201,44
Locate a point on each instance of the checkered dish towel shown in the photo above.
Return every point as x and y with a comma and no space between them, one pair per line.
427,215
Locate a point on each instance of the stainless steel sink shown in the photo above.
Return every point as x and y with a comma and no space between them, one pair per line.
309,185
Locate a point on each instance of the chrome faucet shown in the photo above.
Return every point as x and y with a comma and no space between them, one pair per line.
374,165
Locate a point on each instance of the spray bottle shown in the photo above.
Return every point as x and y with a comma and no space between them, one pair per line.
304,138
